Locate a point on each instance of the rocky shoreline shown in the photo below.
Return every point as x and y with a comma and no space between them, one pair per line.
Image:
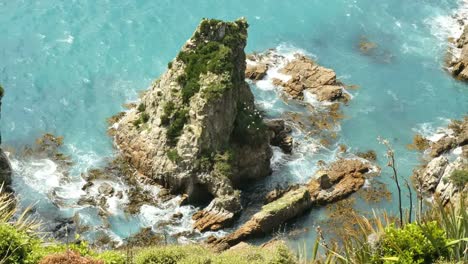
457,55
446,154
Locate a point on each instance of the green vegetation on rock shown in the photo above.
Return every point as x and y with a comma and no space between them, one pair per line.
459,178
216,56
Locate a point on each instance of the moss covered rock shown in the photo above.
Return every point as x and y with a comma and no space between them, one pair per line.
198,111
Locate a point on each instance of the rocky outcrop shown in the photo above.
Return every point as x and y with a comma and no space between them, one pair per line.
196,130
341,179
445,176
5,166
299,74
459,57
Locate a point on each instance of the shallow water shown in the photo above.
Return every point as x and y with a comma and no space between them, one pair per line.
69,65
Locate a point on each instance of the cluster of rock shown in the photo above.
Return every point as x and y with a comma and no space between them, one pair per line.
298,75
458,56
448,153
208,129
210,157
338,181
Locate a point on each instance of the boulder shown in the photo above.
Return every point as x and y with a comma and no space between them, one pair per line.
306,75
106,189
443,145
341,179
256,71
280,134
194,119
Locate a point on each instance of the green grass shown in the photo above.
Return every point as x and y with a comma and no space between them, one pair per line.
193,254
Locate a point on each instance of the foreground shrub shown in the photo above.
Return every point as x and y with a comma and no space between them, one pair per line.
15,245
111,257
414,243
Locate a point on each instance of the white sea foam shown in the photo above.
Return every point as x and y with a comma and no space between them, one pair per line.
450,26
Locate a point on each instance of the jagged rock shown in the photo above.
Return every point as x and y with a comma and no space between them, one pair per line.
194,118
443,145
342,178
458,64
106,189
446,190
434,177
280,135
431,175
329,93
300,74
256,71
218,214
290,205
306,75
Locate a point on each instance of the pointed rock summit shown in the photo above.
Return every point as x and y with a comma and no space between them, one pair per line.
196,130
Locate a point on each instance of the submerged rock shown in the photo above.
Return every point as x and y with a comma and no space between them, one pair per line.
195,119
341,179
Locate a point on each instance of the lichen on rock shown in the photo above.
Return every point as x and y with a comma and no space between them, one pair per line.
198,111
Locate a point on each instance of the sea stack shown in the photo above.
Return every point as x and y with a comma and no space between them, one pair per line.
196,130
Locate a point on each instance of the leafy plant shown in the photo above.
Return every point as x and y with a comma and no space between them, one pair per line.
15,245
414,243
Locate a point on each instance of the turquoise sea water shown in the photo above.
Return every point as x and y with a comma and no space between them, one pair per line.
69,65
